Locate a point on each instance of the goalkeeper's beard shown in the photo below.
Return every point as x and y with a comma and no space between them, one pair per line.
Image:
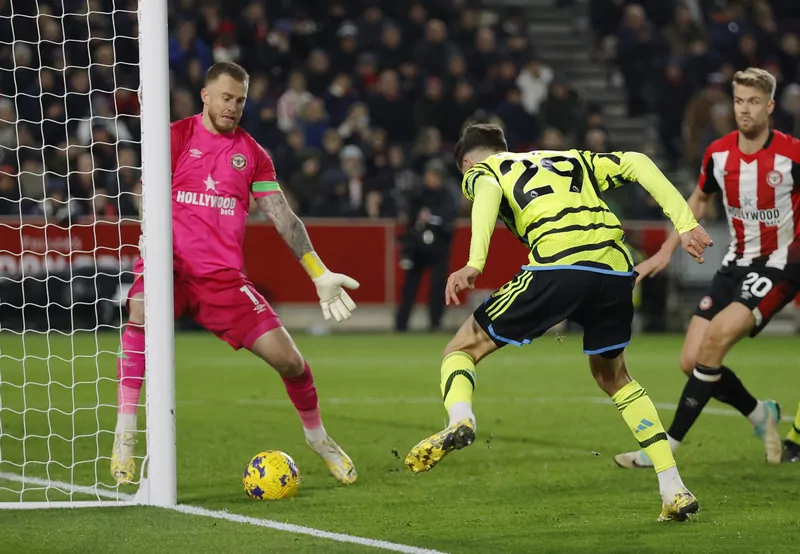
223,124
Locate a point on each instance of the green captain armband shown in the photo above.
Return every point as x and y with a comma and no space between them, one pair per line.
265,187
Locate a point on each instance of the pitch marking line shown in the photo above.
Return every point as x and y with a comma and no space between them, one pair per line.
301,530
67,488
227,516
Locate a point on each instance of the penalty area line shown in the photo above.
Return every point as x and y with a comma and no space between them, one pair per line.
69,488
301,530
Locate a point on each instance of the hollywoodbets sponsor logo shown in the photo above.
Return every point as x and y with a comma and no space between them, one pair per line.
770,217
225,204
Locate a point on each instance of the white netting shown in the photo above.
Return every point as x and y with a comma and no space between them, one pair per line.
69,204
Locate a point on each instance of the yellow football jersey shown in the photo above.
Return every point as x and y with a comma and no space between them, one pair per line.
552,203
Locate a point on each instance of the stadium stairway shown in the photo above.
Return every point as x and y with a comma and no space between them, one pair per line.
559,31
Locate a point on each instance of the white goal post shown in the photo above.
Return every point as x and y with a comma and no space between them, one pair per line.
58,377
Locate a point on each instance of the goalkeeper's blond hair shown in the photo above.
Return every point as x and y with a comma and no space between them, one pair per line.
231,69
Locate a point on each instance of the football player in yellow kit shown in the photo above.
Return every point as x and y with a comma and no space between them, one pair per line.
578,268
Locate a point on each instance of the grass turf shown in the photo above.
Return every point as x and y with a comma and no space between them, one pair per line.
540,477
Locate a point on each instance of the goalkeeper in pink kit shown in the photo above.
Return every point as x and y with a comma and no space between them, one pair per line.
216,166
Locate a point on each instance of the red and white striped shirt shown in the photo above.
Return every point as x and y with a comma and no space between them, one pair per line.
761,194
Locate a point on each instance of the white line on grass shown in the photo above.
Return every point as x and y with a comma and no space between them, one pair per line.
69,488
301,530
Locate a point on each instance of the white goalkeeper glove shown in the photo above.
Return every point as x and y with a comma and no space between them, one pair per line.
141,246
333,299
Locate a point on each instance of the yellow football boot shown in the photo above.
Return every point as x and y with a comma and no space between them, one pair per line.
682,504
339,463
432,450
123,465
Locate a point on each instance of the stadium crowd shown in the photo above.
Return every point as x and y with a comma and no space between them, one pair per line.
677,60
360,101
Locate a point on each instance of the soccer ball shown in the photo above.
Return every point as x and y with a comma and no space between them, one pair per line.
271,475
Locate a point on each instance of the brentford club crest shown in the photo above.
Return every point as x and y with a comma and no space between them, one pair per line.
774,178
705,303
238,161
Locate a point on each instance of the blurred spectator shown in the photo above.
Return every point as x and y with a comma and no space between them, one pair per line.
293,101
683,30
463,106
306,186
225,48
319,71
433,51
426,148
390,110
552,139
721,123
344,194
339,97
391,52
429,218
314,122
534,82
563,109
356,124
788,119
429,109
185,45
697,118
483,55
522,128
640,52
670,106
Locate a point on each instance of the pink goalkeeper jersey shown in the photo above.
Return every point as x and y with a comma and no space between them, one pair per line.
213,176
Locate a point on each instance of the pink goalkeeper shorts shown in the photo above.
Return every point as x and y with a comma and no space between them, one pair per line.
227,305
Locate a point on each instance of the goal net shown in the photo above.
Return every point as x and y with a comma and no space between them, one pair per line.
70,198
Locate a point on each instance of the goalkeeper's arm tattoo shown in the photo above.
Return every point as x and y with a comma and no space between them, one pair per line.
287,223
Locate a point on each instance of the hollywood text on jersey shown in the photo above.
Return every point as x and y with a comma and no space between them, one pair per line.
226,204
770,217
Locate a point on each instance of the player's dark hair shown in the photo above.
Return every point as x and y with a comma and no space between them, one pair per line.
480,136
231,69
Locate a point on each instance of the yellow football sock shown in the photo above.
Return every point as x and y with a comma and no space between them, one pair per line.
794,432
458,378
639,413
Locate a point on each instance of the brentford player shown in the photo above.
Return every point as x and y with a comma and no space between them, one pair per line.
757,172
216,166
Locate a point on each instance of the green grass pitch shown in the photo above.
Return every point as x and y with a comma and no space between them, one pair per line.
540,477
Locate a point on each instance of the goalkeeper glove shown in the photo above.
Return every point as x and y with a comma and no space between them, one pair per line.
333,299
141,246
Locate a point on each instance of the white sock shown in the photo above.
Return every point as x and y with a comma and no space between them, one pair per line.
126,422
315,435
673,444
669,483
459,411
758,415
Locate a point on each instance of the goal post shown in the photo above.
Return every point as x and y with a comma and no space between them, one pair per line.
157,219
74,142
